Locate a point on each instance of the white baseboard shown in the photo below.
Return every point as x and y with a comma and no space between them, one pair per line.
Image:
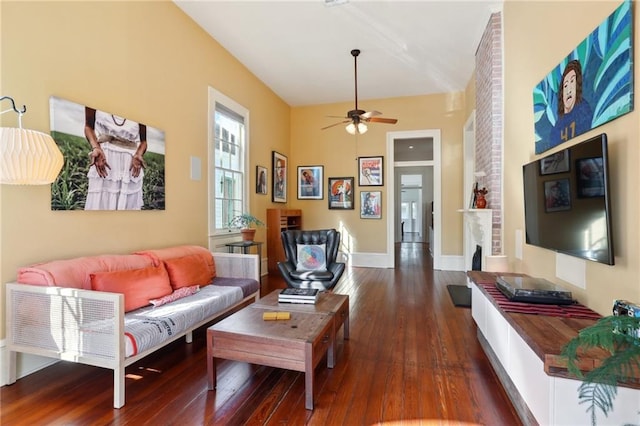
452,263
371,260
4,359
25,364
381,260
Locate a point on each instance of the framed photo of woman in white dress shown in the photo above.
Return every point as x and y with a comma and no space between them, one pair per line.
112,162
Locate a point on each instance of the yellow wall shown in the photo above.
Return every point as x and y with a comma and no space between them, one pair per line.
470,97
144,60
337,151
537,36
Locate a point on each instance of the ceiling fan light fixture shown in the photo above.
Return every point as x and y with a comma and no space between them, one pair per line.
357,116
359,128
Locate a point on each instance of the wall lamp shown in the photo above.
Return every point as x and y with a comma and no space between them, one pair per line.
27,157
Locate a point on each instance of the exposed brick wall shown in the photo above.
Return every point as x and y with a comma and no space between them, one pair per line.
489,120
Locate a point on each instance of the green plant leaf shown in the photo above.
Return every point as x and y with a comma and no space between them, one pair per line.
620,337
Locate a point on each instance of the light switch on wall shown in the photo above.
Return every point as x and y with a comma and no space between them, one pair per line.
196,168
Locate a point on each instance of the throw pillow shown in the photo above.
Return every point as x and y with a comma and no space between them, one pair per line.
138,285
178,294
193,269
312,257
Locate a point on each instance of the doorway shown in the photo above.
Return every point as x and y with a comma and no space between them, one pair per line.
429,166
411,208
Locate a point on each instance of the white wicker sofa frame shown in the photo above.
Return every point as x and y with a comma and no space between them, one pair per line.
108,349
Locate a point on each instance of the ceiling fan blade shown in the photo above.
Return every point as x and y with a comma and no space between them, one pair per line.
383,120
337,116
370,114
336,124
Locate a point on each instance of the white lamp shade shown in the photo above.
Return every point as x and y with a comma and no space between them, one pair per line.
498,263
28,157
360,128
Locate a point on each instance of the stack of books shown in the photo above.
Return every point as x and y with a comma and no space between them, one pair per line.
298,295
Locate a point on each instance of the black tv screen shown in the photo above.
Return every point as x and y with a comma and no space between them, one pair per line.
567,201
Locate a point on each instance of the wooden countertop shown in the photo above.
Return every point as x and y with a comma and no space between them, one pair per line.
546,335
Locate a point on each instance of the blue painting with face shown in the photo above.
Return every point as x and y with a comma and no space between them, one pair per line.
591,86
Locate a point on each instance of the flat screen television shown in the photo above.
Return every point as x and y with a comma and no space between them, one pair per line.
567,201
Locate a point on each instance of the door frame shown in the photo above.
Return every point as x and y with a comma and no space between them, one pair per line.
469,158
435,135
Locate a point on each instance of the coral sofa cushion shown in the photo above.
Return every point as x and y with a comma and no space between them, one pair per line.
194,269
178,270
75,273
139,286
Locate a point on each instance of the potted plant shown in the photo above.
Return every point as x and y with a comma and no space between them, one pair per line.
619,336
243,222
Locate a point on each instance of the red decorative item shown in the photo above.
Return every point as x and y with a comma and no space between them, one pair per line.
481,202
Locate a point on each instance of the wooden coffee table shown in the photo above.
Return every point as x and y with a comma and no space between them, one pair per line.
296,344
334,304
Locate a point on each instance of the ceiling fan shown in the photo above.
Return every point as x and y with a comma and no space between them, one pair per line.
357,117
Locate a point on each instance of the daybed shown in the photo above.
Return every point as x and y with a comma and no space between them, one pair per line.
112,310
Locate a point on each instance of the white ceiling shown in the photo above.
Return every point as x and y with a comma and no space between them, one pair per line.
301,49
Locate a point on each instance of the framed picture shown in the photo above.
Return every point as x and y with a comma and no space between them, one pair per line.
557,195
590,173
310,182
279,165
138,183
340,193
261,180
601,84
370,172
370,205
555,163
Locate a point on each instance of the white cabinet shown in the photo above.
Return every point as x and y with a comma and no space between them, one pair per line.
551,400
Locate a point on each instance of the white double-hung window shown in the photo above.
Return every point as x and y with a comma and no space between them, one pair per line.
228,148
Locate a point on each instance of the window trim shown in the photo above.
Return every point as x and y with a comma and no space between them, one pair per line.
214,96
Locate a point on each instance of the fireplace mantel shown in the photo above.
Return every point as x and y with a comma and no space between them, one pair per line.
477,232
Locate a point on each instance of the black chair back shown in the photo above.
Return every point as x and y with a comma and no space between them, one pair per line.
329,237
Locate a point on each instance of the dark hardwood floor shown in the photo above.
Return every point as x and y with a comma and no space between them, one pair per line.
412,359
